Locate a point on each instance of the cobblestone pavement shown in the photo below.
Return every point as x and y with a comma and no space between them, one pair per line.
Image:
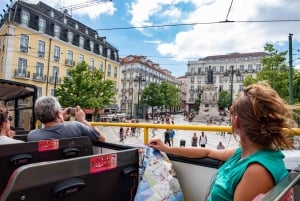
213,138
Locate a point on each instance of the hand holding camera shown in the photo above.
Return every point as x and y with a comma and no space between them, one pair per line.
72,111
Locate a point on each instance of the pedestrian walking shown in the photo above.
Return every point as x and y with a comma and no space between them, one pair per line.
167,137
133,129
194,140
121,132
171,136
202,139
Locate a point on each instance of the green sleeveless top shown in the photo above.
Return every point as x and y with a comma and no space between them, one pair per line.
231,172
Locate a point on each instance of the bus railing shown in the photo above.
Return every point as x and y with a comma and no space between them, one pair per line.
147,126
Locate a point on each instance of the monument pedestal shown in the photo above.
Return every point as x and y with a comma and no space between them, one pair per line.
208,110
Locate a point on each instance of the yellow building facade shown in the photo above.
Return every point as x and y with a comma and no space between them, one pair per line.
39,44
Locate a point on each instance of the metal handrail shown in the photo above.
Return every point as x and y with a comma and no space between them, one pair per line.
146,126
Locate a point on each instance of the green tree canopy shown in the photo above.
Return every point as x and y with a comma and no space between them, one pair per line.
274,71
161,95
152,95
224,99
86,88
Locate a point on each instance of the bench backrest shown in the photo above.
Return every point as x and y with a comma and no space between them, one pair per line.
105,177
13,156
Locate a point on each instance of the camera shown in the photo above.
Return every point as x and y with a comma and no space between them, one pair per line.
72,111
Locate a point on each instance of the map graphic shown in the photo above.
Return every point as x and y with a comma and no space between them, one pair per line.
157,180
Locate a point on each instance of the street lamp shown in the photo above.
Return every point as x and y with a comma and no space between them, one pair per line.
230,75
139,79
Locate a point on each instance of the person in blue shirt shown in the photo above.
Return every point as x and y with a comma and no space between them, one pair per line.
171,136
48,110
258,116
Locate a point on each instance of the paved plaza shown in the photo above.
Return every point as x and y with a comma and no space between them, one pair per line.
213,138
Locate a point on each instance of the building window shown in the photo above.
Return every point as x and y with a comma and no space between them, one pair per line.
92,46
22,67
91,65
249,67
221,69
192,80
51,13
108,70
115,71
81,41
24,39
116,55
55,73
100,49
39,71
81,58
42,25
39,91
57,31
242,68
41,48
70,36
56,53
199,80
69,61
25,16
70,55
52,92
101,65
192,70
108,53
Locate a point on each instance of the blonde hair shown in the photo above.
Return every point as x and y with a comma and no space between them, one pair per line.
263,114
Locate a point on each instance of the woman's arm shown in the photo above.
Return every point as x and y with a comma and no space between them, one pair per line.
192,152
256,180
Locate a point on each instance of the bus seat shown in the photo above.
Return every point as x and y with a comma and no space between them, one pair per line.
105,177
13,156
22,137
286,190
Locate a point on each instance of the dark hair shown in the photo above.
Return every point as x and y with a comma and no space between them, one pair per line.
263,116
3,114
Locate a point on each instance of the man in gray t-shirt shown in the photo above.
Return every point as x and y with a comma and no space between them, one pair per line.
49,112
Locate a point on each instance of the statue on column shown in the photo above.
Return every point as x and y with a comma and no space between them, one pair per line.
210,76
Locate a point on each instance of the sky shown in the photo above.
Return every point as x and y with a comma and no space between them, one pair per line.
173,32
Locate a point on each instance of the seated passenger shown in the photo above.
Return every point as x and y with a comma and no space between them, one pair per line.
258,116
6,134
49,112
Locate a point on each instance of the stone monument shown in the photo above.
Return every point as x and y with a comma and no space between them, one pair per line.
208,110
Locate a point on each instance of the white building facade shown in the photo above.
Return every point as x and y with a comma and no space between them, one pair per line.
229,72
137,72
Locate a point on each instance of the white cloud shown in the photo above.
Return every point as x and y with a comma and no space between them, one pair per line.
204,40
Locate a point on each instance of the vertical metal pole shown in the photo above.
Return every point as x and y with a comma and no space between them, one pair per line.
48,67
291,95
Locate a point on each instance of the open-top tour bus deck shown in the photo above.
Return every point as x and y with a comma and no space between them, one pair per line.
62,170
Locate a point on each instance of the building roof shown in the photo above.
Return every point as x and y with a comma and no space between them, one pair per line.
235,55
